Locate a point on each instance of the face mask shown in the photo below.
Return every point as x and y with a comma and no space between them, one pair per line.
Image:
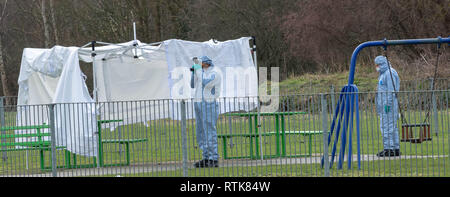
378,69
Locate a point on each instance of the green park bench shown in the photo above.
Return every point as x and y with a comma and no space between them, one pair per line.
45,145
224,138
127,143
280,132
41,144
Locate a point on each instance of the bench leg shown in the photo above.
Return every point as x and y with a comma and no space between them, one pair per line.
251,139
67,155
100,145
95,161
310,145
74,160
224,139
42,159
277,128
283,136
128,153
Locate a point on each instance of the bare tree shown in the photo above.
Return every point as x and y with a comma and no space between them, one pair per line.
325,32
3,71
3,75
55,29
299,36
46,26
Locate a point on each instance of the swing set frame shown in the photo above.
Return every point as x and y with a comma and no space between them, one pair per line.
348,103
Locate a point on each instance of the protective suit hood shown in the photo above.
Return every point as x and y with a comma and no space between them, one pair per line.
206,59
383,62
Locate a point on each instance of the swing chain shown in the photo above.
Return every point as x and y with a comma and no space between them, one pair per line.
433,82
402,117
432,85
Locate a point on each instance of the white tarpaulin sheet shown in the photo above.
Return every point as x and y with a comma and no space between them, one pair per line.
234,61
162,72
130,89
54,76
232,57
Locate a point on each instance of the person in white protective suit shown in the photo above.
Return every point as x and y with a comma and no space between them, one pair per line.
387,106
206,80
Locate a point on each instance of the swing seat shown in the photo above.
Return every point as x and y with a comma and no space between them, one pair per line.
424,133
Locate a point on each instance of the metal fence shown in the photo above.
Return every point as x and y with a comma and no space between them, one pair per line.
157,138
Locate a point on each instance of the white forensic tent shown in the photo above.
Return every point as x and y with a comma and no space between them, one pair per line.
54,76
132,71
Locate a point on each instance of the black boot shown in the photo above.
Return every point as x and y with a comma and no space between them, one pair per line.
386,153
213,163
382,153
201,164
205,163
389,153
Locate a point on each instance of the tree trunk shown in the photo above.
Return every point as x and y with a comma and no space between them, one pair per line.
3,75
44,20
55,30
156,14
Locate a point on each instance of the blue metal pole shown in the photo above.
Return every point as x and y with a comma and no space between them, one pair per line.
385,43
341,108
350,129
344,128
357,128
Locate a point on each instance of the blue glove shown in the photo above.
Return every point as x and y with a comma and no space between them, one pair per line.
195,67
387,108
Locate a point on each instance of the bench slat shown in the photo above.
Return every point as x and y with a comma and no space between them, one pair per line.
25,127
244,135
124,141
44,143
32,148
301,132
24,135
108,121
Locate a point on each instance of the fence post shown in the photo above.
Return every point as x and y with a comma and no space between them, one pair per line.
184,138
120,145
2,122
431,83
435,114
325,135
231,131
333,104
53,139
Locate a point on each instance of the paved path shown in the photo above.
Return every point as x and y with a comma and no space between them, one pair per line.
166,168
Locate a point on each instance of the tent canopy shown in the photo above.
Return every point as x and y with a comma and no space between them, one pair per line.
130,71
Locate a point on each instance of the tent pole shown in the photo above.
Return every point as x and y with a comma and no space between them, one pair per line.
134,31
119,45
257,104
86,45
94,92
135,40
93,54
